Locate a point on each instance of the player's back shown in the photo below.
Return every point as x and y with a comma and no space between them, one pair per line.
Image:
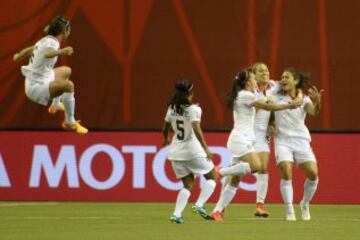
184,145
244,115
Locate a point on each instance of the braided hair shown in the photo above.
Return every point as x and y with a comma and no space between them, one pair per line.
183,88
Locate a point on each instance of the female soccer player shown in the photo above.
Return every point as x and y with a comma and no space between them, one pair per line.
242,100
292,142
188,151
43,82
265,88
264,129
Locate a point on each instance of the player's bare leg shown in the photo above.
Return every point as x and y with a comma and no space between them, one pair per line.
66,89
61,74
262,185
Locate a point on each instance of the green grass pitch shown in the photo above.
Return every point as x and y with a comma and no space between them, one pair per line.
127,221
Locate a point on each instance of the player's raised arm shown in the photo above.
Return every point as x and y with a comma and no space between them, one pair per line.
315,95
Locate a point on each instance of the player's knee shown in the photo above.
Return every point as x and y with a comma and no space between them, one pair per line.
263,169
69,86
255,166
235,180
189,186
66,71
312,175
286,176
210,175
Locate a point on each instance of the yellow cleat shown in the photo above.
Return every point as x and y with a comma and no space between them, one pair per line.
75,127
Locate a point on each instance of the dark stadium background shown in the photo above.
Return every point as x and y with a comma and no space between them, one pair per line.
129,53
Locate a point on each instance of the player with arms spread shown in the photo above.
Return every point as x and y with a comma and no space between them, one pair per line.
43,82
292,141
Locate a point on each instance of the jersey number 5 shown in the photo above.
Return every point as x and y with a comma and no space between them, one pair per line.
181,132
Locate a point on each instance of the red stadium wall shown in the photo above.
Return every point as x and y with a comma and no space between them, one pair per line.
131,166
129,52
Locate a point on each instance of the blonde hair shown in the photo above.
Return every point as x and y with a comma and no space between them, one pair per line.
255,65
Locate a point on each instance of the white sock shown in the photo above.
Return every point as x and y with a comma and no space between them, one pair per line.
181,201
206,191
56,101
309,190
287,193
225,198
261,187
240,169
224,182
69,105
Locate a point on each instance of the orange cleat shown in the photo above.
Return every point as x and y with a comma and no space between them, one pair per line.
261,211
54,109
217,216
75,127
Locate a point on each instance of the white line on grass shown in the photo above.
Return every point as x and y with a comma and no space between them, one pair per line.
27,204
126,217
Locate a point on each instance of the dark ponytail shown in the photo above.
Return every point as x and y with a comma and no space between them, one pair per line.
180,100
238,84
57,25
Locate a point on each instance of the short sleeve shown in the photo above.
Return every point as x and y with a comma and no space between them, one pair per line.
168,115
195,113
51,43
247,98
274,87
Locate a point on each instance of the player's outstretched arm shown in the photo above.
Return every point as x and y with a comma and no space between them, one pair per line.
51,52
270,106
26,52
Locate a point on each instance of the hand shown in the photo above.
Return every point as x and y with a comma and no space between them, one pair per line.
315,95
269,99
166,141
16,57
67,51
297,102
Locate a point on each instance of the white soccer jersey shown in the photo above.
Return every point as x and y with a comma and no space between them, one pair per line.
184,145
262,116
40,66
244,115
291,122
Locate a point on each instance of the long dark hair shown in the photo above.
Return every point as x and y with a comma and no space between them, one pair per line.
57,25
183,88
238,84
302,77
